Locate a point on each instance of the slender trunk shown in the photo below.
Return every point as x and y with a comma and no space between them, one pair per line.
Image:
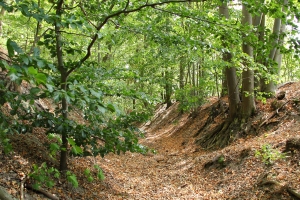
98,53
181,73
64,77
248,104
269,85
193,80
168,88
2,12
260,23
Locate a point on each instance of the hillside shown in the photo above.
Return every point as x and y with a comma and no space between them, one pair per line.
180,168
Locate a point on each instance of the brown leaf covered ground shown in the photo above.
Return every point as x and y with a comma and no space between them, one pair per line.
179,169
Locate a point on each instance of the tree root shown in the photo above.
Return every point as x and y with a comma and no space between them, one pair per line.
291,191
272,115
44,192
292,144
219,137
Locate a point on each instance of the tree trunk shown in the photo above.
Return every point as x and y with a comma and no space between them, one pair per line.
181,73
230,75
248,104
64,77
168,88
269,85
259,22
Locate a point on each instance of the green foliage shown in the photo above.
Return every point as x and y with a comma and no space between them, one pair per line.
72,179
190,98
100,174
268,155
4,141
114,62
44,176
88,175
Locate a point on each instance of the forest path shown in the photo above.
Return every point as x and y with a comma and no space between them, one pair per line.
179,169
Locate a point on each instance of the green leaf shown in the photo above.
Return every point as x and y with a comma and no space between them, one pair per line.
100,175
32,71
71,141
87,172
77,150
34,91
41,78
111,107
72,179
50,184
54,147
96,94
49,87
40,63
90,179
13,47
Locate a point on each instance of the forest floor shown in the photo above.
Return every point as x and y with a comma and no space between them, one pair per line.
180,169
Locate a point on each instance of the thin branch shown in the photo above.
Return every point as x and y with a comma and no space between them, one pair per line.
70,33
117,13
80,6
196,18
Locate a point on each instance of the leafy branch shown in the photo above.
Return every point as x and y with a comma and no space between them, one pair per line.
115,14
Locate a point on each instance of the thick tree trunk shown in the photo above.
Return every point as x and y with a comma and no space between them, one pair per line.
248,104
230,74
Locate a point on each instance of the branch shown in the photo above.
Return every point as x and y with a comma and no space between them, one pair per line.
195,18
80,6
44,192
117,13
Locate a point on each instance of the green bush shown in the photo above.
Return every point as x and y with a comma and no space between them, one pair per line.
268,155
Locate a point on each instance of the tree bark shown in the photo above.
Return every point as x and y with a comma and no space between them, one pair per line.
230,74
181,73
269,85
63,82
248,104
168,88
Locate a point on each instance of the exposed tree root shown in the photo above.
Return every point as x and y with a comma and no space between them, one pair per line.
218,137
272,115
44,192
292,144
282,187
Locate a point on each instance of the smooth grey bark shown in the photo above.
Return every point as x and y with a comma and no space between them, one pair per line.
260,23
248,104
269,85
230,74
